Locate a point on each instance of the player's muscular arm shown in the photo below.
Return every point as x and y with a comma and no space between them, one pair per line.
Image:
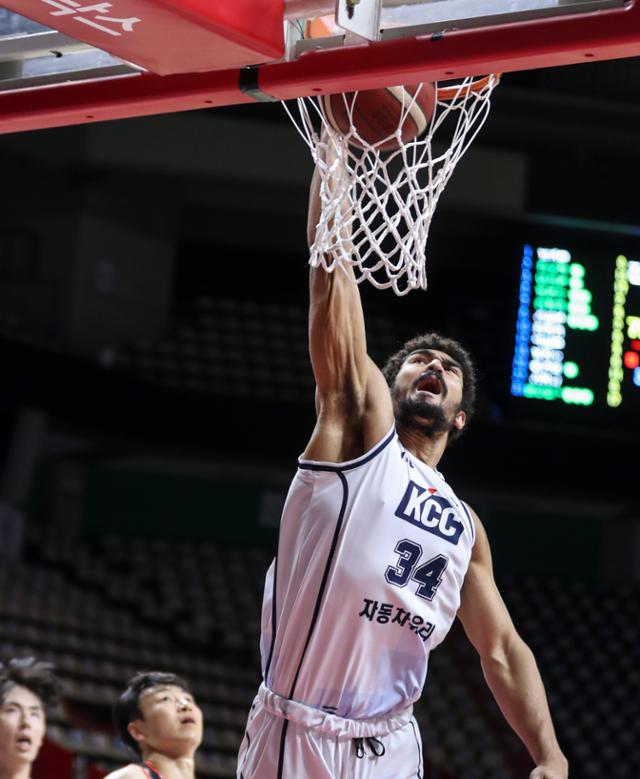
352,399
508,664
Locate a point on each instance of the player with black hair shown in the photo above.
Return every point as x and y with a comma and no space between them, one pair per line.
27,688
376,558
407,409
158,718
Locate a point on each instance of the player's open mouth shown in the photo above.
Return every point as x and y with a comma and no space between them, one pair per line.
430,382
24,743
188,721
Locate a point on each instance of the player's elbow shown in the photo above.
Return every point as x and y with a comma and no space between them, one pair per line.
501,650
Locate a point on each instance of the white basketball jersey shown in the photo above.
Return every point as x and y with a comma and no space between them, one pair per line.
371,558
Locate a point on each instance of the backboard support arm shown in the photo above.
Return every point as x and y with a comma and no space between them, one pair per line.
563,40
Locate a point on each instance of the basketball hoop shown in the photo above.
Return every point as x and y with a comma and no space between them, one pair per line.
391,195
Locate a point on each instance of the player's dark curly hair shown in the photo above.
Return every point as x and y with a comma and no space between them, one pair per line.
454,350
127,707
35,675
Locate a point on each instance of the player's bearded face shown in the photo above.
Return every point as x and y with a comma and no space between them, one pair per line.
425,411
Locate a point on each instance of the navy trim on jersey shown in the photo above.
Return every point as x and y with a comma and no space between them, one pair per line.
415,735
325,575
471,522
283,737
248,738
273,618
311,465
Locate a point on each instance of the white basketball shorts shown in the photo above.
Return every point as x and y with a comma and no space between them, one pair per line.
288,740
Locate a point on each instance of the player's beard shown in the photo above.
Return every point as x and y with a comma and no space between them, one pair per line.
429,418
423,415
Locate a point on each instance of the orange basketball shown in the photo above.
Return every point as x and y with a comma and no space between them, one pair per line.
376,114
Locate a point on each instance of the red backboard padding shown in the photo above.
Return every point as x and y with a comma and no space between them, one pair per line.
539,43
169,36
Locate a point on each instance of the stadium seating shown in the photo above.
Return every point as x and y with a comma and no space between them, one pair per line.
103,609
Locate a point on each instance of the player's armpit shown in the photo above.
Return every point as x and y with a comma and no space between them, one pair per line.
346,426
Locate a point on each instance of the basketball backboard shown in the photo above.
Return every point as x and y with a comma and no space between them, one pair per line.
80,63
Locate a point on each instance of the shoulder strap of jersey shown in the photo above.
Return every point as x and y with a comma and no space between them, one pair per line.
149,771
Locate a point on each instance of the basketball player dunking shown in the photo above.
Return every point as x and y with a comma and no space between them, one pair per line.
376,557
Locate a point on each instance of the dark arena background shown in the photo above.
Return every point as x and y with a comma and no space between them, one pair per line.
156,391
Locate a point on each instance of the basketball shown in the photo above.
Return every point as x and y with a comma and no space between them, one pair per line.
375,114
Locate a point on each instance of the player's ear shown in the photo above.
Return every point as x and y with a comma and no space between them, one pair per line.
460,420
135,732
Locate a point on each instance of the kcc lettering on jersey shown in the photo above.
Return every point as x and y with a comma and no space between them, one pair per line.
429,512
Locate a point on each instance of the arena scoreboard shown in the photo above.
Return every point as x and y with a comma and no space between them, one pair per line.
577,334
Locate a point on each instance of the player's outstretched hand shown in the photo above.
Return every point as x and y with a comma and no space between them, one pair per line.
329,190
550,771
328,149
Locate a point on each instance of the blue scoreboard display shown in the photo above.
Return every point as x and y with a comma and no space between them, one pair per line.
577,334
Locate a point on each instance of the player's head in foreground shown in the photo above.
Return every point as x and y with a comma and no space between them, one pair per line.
433,386
157,715
27,688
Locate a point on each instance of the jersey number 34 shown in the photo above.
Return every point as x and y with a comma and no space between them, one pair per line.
428,575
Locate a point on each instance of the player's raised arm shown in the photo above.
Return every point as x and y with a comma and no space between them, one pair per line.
352,399
508,664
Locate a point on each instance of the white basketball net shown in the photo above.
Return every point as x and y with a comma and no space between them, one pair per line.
377,206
